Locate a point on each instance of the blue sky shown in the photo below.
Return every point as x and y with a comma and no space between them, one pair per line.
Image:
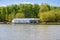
10,2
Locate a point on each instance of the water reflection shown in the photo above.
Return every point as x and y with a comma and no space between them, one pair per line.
29,32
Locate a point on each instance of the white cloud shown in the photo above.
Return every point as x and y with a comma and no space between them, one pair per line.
3,5
26,3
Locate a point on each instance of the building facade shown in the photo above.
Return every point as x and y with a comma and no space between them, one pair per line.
25,20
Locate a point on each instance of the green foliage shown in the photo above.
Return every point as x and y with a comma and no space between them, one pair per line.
10,17
47,16
50,16
36,9
20,15
45,12
28,10
44,7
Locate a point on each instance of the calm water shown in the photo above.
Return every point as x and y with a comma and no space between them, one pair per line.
29,32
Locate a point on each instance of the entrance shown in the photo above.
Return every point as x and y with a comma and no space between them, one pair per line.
33,21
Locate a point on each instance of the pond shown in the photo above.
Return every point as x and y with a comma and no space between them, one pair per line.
29,32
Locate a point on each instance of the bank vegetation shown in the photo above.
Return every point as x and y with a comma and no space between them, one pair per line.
45,12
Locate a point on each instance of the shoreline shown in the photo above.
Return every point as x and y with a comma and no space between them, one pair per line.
56,23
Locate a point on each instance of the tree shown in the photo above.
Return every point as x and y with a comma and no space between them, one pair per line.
3,12
44,7
10,17
36,9
20,8
20,15
28,10
47,17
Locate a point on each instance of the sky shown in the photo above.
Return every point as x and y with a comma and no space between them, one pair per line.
10,2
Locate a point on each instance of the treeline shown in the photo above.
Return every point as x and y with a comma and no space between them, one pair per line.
19,11
49,13
44,11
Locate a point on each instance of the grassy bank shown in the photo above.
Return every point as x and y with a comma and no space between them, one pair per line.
51,23
5,23
42,23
